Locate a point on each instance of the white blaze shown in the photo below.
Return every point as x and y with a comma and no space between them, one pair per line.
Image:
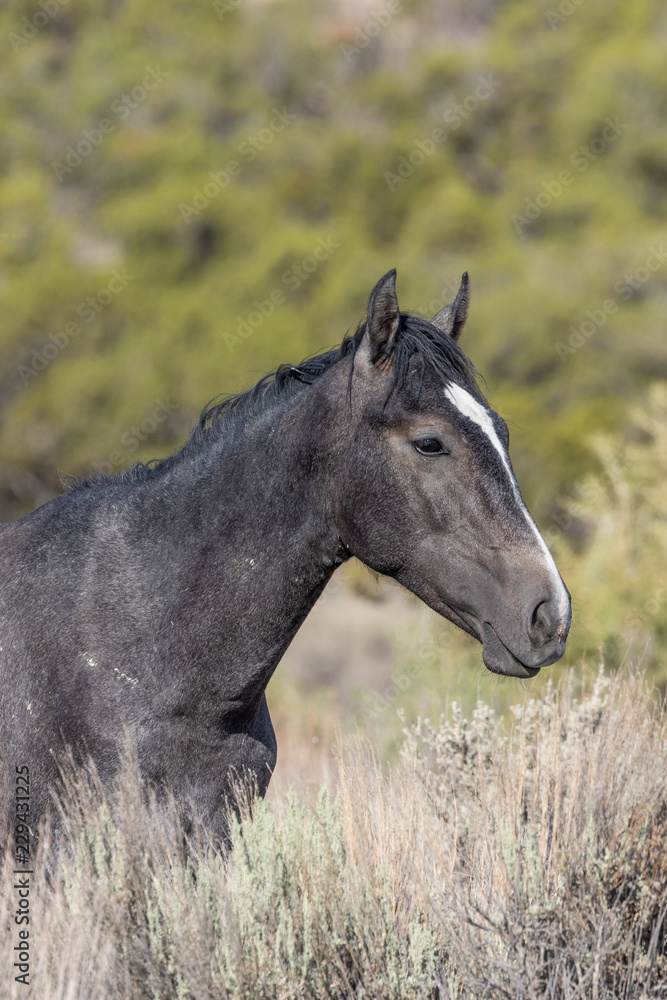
473,410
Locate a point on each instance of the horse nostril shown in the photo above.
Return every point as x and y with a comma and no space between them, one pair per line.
544,623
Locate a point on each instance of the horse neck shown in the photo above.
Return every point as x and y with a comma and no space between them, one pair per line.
256,510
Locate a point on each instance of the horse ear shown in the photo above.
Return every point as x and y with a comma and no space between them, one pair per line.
451,319
383,317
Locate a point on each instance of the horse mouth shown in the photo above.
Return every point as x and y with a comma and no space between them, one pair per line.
499,659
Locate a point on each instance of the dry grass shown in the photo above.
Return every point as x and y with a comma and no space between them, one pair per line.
516,862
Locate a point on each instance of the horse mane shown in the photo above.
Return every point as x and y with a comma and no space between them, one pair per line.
415,338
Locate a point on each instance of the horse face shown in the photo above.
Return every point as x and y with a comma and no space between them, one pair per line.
432,500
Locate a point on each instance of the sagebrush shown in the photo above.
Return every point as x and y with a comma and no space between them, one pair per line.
523,861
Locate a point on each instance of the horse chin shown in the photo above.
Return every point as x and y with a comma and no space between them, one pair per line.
499,659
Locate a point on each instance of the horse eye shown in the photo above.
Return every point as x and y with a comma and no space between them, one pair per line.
429,446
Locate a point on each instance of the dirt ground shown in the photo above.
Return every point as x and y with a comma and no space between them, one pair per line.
346,648
348,640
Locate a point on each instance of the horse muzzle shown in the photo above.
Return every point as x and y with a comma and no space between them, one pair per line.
499,659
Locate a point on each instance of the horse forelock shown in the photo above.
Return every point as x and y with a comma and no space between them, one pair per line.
420,342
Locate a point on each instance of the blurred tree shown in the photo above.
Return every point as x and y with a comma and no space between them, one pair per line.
164,169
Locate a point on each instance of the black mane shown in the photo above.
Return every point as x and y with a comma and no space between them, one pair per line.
416,337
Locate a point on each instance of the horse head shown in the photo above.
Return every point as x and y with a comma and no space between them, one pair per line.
430,497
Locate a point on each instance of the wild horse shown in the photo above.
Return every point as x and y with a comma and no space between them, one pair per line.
159,601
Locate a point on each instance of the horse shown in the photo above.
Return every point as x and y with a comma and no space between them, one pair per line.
157,602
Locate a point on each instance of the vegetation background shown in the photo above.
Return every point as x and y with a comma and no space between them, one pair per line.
167,174
193,193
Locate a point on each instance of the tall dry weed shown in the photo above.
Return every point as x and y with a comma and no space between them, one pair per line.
517,862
